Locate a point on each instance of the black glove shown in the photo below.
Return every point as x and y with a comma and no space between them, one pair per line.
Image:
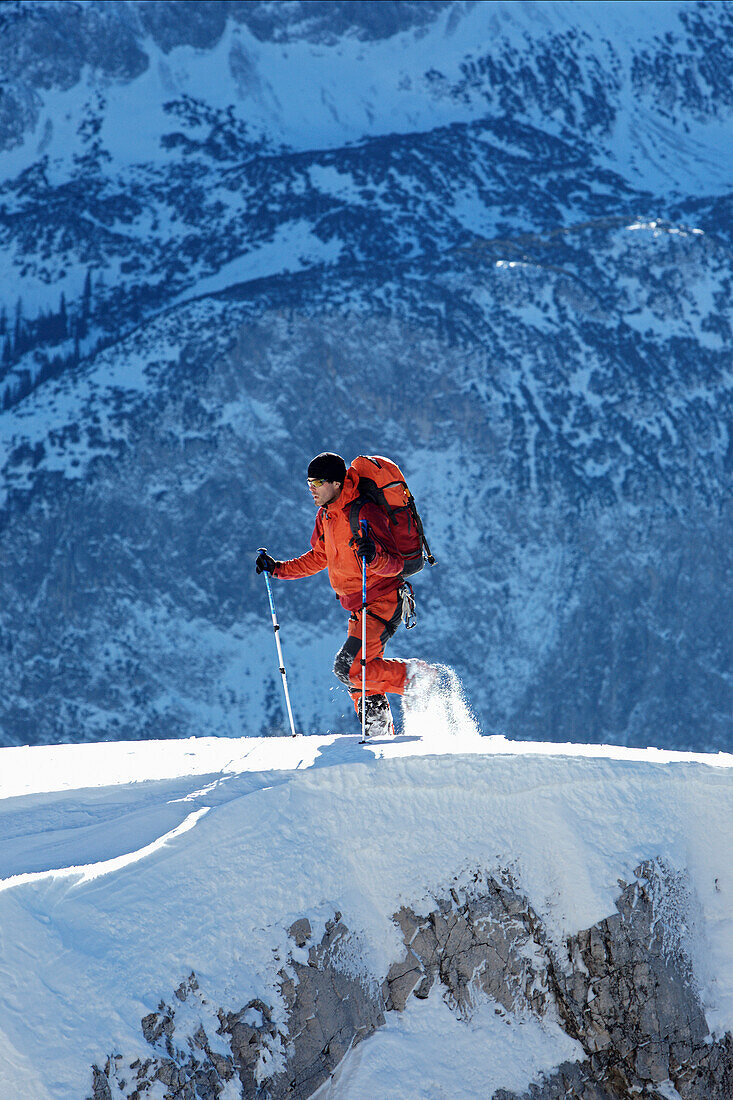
264,563
365,548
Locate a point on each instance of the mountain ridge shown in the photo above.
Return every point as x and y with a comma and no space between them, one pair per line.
535,327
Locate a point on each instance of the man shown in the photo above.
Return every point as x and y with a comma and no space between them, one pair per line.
334,547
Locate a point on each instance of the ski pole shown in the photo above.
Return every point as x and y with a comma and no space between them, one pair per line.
276,628
364,528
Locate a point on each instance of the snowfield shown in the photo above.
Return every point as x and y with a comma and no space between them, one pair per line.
126,866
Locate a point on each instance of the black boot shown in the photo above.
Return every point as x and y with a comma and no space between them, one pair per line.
378,722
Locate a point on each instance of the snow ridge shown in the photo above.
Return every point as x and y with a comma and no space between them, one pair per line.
504,843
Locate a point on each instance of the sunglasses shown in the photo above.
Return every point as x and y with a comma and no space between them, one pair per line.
316,482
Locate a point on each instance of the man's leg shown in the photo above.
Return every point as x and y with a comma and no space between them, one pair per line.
382,675
345,658
378,713
383,618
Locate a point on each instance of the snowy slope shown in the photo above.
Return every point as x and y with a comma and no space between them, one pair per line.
127,867
251,142
575,408
642,76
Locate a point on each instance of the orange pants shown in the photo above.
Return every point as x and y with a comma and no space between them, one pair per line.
383,616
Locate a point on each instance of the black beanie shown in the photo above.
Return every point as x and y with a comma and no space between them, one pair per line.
329,466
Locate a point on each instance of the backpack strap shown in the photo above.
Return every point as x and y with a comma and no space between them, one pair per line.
355,517
420,529
354,512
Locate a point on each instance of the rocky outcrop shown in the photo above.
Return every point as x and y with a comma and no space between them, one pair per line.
629,997
187,1066
329,1010
624,989
474,945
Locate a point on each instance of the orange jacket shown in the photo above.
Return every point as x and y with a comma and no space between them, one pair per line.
331,550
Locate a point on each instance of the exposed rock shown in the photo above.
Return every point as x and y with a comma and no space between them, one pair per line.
475,944
572,1080
100,1083
300,931
330,1010
185,1064
252,1034
630,999
624,989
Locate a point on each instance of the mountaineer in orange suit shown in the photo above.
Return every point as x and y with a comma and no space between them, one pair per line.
333,547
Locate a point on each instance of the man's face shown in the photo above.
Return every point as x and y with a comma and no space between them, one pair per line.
323,492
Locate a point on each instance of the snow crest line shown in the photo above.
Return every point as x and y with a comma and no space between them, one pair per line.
89,871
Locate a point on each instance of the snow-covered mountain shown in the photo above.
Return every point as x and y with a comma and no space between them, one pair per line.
490,240
297,917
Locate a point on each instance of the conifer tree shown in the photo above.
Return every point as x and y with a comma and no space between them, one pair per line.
18,341
82,327
63,328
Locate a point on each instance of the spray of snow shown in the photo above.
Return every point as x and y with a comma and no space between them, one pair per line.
443,712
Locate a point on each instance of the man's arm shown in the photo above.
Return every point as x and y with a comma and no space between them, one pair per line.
308,564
